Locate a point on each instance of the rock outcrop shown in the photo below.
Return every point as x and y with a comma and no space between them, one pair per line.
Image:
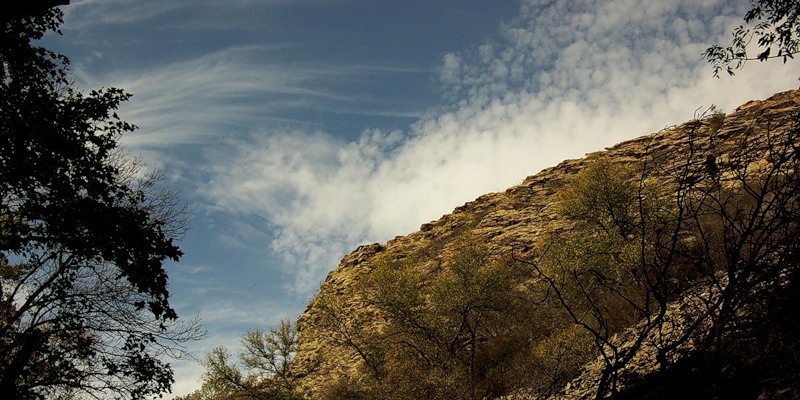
516,219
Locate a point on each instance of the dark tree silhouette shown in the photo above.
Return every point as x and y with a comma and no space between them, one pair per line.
776,31
20,9
703,260
84,306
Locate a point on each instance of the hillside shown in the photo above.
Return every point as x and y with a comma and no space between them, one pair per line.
511,225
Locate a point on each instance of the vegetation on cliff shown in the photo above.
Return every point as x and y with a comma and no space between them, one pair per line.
665,266
671,261
691,261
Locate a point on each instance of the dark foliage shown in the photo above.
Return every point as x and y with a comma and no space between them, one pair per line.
707,277
776,31
84,305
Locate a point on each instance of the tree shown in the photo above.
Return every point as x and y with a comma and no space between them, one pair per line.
599,271
84,235
24,9
454,331
776,31
707,251
263,372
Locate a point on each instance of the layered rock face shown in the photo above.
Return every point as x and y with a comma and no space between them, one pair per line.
516,220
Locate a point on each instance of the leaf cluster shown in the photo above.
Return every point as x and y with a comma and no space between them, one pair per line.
776,31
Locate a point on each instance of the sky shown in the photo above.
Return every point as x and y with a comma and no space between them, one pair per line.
299,129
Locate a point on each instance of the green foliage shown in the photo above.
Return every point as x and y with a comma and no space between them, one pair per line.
270,352
601,195
716,233
558,355
263,371
677,258
84,235
453,331
776,31
686,260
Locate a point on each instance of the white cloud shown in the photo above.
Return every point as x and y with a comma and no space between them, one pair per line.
178,102
84,14
309,185
563,80
450,72
219,93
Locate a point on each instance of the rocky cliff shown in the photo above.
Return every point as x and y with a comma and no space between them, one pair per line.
510,221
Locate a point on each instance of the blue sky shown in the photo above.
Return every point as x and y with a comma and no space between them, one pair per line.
298,129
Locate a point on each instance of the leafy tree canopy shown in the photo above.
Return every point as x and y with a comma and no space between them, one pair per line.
84,234
263,371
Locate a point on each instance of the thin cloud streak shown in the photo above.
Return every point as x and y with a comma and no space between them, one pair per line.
563,80
190,101
82,14
86,14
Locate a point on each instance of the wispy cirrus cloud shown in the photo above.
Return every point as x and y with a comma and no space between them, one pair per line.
225,92
563,79
81,14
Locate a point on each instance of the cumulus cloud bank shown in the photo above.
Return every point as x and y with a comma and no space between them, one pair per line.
562,79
